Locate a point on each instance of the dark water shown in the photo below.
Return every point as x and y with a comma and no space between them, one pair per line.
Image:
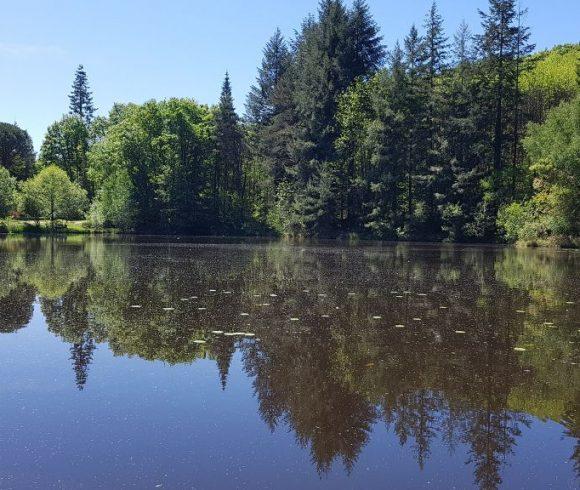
333,367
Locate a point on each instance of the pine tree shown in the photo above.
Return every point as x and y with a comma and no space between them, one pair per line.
463,52
368,51
81,99
228,168
331,53
502,44
260,105
417,129
436,48
464,170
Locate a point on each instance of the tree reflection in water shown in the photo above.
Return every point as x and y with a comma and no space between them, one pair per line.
448,373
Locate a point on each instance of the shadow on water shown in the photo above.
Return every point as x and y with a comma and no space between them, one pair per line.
460,344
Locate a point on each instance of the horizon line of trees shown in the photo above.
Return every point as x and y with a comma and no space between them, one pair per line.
472,138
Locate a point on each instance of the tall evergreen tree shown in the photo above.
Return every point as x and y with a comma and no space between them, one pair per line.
416,127
436,48
500,46
463,136
261,105
503,41
331,52
81,98
228,169
366,42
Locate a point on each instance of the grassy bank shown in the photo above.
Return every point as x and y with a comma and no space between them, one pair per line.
44,227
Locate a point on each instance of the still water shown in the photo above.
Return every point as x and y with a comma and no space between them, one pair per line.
163,363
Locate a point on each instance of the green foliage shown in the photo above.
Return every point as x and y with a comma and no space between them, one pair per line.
552,79
16,151
153,167
66,145
553,150
51,194
7,192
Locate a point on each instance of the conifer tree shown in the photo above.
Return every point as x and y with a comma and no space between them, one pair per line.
261,105
501,45
503,42
368,51
81,98
228,176
416,128
436,48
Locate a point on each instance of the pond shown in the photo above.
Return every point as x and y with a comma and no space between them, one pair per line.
176,363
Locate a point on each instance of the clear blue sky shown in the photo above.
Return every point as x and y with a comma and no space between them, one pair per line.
135,50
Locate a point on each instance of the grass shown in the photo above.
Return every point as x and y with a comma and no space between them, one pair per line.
43,227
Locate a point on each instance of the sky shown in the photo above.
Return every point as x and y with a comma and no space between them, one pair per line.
137,50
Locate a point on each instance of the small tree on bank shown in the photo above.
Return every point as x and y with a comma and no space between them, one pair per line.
51,195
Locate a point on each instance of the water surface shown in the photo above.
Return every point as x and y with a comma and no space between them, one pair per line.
163,363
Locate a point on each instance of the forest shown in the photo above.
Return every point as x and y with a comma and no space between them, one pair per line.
466,137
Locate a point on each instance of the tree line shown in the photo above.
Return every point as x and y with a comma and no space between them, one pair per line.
462,138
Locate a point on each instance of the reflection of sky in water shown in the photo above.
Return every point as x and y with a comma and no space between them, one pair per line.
341,393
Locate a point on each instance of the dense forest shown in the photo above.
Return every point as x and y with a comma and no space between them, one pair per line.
463,137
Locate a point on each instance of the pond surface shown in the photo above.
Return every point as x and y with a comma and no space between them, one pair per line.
158,363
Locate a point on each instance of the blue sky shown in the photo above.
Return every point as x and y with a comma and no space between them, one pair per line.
135,50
